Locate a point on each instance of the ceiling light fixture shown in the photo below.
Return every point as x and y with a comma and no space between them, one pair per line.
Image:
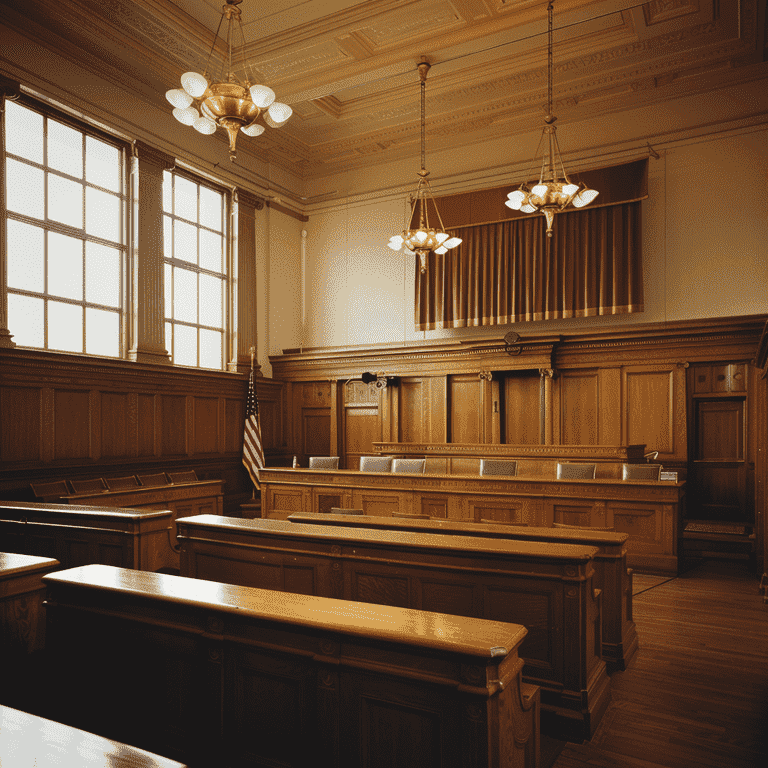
550,194
424,238
229,102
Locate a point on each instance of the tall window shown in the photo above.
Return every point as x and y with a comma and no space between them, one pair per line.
196,283
66,207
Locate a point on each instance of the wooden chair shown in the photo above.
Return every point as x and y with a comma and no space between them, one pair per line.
121,483
404,516
576,471
409,466
185,476
344,511
50,491
95,485
323,462
375,463
506,467
153,481
640,471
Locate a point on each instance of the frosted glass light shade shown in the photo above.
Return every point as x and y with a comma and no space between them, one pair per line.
194,84
528,208
279,112
539,190
262,96
204,125
570,189
254,129
395,242
452,242
585,197
178,98
516,199
441,237
441,250
186,116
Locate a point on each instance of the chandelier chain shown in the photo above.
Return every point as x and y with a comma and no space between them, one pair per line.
550,68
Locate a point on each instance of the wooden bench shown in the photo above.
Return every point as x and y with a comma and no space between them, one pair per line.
29,740
619,635
548,588
235,676
80,534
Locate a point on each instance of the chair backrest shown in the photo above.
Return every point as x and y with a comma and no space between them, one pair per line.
323,462
409,466
153,481
640,471
375,463
581,527
52,491
507,467
404,516
95,485
185,476
343,511
121,483
575,471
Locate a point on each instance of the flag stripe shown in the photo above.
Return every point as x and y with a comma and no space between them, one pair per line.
253,449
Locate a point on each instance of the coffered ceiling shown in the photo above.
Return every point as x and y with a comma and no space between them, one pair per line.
348,67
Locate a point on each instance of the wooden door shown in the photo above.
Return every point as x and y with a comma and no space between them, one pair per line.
718,485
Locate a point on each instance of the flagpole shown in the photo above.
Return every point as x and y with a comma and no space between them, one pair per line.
252,350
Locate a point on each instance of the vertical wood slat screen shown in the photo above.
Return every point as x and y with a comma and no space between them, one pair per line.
510,271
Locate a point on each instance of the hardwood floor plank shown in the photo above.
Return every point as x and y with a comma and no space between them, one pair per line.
696,695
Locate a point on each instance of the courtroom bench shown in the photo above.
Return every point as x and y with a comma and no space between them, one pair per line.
81,534
233,676
650,512
29,740
546,587
619,634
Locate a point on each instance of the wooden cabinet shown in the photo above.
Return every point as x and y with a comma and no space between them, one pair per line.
712,379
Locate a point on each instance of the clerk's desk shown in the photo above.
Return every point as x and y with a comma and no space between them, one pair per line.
650,512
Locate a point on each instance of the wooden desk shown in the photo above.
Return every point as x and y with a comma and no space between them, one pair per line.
649,512
619,635
548,588
28,740
79,534
22,618
244,677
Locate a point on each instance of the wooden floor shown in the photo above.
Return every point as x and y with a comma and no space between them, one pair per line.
696,695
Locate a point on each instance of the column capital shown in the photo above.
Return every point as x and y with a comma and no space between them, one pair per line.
248,199
149,154
548,373
9,89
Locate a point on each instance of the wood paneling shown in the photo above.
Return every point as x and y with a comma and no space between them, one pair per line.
206,425
465,403
653,402
147,436
72,424
20,419
413,408
522,422
114,424
579,407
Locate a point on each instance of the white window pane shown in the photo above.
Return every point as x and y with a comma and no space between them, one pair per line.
102,276
169,338
184,345
25,257
167,192
102,164
102,332
65,149
23,133
25,188
184,295
102,214
210,349
210,301
210,208
26,320
65,327
65,201
185,197
185,242
65,266
167,241
168,285
211,251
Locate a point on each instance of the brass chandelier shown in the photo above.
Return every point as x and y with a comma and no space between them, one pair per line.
423,238
229,102
551,194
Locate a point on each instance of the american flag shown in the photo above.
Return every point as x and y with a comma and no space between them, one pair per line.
253,450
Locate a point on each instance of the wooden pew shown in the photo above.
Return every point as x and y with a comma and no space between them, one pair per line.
619,634
546,587
28,740
235,676
78,535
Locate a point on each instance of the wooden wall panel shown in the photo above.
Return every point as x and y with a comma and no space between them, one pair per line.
654,409
464,408
316,429
521,408
579,407
21,423
114,424
174,429
412,411
146,425
361,430
234,421
72,424
206,432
